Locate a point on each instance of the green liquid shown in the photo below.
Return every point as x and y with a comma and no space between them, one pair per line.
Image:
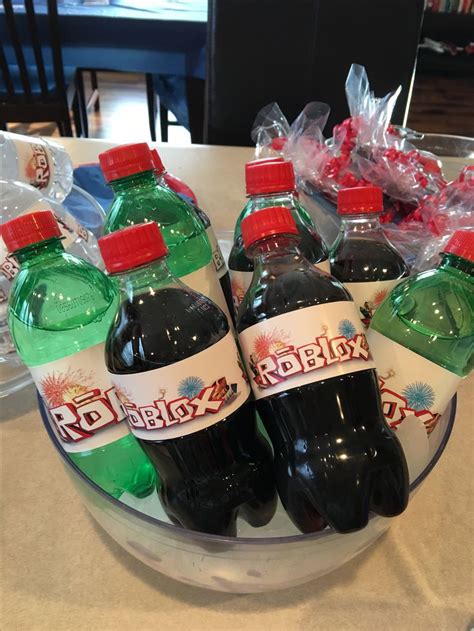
139,198
59,306
432,314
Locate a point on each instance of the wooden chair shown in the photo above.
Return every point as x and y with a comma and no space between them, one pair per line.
36,87
300,51
195,102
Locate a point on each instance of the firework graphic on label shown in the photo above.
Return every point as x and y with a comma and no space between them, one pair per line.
238,292
266,344
346,329
124,395
190,387
58,388
270,341
370,306
379,298
419,395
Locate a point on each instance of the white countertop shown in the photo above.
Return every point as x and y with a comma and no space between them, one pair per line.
59,571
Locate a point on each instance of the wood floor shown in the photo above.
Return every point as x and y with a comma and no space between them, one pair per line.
443,105
439,104
123,113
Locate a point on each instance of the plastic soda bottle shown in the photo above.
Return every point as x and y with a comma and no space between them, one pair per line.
173,182
362,257
315,386
180,188
41,163
138,198
422,340
174,360
16,199
271,182
60,310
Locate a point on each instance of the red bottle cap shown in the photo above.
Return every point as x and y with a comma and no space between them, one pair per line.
28,229
461,244
126,160
132,247
267,222
157,162
360,200
273,175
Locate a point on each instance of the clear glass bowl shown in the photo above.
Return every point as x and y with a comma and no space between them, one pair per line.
258,560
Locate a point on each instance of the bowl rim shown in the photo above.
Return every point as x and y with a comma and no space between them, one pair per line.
179,532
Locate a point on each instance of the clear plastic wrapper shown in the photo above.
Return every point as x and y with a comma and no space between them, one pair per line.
270,132
420,209
364,148
441,215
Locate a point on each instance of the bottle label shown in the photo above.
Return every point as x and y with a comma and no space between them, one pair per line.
185,397
84,409
240,282
368,296
217,257
206,282
415,391
70,231
35,162
304,346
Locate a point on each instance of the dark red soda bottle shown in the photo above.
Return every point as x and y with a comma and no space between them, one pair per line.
315,385
174,361
362,257
271,182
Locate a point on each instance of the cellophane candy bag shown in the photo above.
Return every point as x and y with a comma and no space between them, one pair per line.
452,209
270,132
364,149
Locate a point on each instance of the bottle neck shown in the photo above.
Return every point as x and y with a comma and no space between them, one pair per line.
144,179
457,265
39,253
282,198
147,278
367,226
278,250
160,178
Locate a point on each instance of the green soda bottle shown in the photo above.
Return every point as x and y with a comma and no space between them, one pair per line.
271,182
61,308
139,198
166,179
422,341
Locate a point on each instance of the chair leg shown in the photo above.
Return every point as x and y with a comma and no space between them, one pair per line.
95,88
195,98
64,126
81,99
76,116
151,100
164,123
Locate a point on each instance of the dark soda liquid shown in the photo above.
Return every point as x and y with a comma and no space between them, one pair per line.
211,476
225,279
310,245
358,260
335,459
227,290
